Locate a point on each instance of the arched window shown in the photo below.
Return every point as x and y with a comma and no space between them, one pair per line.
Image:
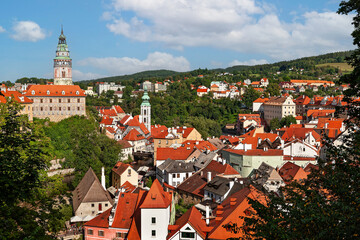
63,92
48,92
33,92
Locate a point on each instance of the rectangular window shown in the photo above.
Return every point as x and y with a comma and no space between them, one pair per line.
178,175
101,233
41,108
153,220
153,233
50,108
100,207
120,235
159,141
68,108
129,172
90,232
50,100
78,108
174,175
59,108
92,205
68,100
78,100
187,235
41,100
59,100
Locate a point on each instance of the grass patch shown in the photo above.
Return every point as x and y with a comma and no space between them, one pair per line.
342,66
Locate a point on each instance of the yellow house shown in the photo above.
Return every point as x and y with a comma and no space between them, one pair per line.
121,173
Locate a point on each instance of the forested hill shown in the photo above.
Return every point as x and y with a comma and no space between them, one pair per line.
306,63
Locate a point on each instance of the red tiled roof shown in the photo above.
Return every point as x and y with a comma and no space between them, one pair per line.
186,131
55,90
320,113
175,154
299,133
302,100
261,100
201,145
219,168
124,144
124,119
257,152
15,95
192,217
106,121
108,112
118,109
309,167
110,130
156,197
290,171
128,187
120,167
157,130
231,210
100,220
133,135
201,90
144,129
271,136
312,81
251,140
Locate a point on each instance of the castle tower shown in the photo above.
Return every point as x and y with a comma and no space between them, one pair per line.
62,63
145,115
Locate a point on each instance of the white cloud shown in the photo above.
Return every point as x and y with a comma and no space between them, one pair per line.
2,29
126,65
250,62
28,31
241,25
78,75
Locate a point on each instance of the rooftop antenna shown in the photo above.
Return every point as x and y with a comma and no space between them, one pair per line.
62,32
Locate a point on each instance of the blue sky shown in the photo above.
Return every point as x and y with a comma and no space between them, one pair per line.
116,37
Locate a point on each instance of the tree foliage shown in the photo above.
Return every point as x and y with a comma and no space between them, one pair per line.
29,202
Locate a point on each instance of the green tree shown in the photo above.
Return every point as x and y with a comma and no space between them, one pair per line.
273,89
250,96
275,124
29,202
287,121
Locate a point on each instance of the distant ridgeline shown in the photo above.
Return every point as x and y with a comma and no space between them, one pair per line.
306,63
34,80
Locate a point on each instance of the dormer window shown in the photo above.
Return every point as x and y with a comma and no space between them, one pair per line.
63,92
33,92
77,92
48,92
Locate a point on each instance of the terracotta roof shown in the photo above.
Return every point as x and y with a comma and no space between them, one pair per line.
120,167
124,119
89,190
201,145
290,171
133,135
261,100
201,90
118,109
100,220
251,140
15,95
302,100
276,100
106,120
175,154
108,112
185,131
320,113
312,81
124,144
192,217
231,210
144,129
256,152
156,197
299,133
55,90
128,187
110,130
309,167
271,136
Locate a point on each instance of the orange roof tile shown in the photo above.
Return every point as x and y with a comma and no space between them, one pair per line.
261,100
124,143
175,154
290,171
156,197
106,121
55,90
120,167
133,135
15,95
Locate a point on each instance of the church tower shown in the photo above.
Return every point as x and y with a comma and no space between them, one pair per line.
62,63
145,115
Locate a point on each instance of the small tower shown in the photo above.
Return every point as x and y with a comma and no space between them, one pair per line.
62,63
145,115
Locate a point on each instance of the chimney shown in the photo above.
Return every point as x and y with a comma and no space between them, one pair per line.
231,184
103,177
207,216
232,201
208,176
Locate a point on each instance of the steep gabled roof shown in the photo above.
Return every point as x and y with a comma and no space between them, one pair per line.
120,167
89,190
118,109
156,197
290,171
124,144
192,217
133,135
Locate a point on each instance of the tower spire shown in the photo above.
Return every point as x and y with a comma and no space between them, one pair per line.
62,32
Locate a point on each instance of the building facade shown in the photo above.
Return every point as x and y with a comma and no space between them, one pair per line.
279,107
145,115
57,102
62,63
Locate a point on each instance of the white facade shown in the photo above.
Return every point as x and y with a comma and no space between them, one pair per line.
185,233
300,149
157,230
104,87
175,179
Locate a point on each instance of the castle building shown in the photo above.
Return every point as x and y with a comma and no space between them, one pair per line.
145,111
62,63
